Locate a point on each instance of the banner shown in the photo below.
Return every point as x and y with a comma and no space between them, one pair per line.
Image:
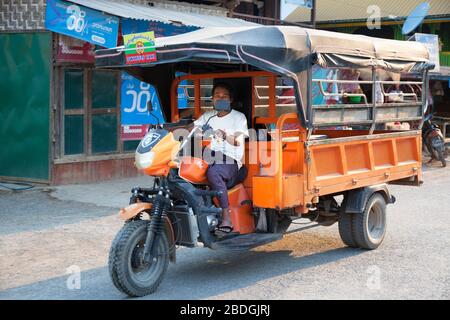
135,132
74,50
139,47
82,23
134,113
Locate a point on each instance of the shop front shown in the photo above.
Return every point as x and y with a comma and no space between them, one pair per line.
101,114
63,120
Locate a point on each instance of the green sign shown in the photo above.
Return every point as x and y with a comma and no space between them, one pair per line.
139,47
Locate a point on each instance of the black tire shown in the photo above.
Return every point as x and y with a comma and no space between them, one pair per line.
345,229
441,157
369,227
128,274
345,225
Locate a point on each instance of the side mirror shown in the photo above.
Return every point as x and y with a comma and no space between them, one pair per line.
149,106
150,111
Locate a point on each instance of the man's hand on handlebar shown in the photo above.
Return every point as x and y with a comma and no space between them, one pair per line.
206,127
220,134
207,131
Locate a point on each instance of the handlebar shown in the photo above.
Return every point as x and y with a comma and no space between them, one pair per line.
180,123
206,128
188,138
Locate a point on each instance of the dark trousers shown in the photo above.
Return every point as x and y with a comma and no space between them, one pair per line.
218,175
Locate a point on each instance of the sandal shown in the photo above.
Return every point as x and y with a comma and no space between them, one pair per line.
225,229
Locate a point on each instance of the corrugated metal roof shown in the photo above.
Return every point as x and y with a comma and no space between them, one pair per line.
140,12
341,10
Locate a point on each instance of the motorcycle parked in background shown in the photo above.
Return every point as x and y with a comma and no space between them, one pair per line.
434,141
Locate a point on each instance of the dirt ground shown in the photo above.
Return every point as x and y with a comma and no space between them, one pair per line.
42,235
51,235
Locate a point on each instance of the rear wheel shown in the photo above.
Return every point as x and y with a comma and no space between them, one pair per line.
369,227
345,229
129,273
366,229
441,157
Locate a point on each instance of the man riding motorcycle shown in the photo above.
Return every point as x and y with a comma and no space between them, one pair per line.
226,151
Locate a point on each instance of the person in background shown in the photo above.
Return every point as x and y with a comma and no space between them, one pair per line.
332,87
379,97
289,93
351,75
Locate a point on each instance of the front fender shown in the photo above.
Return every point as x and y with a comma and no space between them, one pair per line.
134,209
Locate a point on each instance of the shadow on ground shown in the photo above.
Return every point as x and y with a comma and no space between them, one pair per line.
199,274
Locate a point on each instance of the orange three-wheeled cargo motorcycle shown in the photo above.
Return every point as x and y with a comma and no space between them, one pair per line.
322,146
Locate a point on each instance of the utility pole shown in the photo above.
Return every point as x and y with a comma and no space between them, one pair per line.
313,14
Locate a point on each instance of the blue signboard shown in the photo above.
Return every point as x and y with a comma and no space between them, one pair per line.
82,23
134,97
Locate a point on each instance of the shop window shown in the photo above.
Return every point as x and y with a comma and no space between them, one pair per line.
73,122
130,145
73,90
104,89
104,133
104,117
74,133
91,113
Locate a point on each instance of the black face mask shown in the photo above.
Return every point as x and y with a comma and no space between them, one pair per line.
222,105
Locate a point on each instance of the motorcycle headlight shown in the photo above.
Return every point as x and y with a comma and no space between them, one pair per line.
144,160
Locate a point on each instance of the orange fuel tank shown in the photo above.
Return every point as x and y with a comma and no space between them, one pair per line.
193,170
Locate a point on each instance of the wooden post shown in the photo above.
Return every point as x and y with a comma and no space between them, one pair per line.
313,14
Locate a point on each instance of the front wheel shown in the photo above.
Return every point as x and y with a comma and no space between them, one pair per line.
129,273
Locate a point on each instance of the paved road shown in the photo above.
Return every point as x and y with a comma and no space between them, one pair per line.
41,236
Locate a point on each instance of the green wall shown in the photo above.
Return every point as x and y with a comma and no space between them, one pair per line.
24,104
